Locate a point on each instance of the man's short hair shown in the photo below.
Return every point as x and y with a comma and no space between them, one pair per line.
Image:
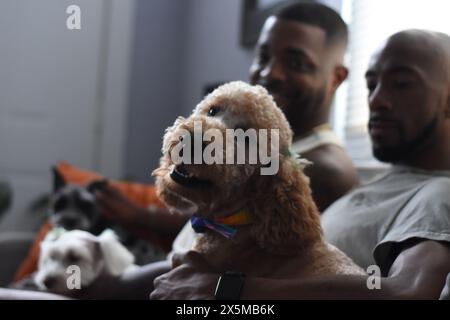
317,15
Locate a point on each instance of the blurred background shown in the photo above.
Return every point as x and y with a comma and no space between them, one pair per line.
100,97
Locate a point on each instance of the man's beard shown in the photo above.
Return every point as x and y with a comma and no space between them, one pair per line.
303,108
405,149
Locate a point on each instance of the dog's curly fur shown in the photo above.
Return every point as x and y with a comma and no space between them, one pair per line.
285,238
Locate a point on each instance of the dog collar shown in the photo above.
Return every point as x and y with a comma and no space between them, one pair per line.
222,224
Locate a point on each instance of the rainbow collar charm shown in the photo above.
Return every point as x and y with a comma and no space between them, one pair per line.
223,224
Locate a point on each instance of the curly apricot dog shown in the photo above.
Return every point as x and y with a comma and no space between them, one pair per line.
260,224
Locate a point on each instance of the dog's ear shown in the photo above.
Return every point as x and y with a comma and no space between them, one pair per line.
58,180
97,185
117,257
283,206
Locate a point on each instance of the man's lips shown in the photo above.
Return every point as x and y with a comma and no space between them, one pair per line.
382,124
377,127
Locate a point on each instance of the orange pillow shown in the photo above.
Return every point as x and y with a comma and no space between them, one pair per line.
140,194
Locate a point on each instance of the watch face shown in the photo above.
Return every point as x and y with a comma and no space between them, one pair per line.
230,286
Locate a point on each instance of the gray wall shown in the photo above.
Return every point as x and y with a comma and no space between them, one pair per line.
335,4
62,93
213,53
155,82
180,46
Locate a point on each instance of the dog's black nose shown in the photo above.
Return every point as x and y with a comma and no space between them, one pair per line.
189,148
184,145
69,223
50,282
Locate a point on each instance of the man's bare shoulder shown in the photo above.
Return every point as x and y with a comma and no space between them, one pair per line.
332,174
333,159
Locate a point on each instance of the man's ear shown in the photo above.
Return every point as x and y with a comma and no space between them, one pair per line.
58,180
340,75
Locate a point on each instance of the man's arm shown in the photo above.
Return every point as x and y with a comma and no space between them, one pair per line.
139,221
418,272
136,284
331,174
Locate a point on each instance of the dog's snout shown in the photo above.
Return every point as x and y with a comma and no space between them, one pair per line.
189,148
184,145
69,223
50,282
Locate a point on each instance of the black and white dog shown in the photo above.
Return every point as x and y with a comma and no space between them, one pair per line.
73,207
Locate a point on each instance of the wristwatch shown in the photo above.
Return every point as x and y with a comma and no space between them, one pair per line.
229,286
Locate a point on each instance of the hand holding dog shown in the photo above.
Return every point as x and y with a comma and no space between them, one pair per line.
190,279
139,221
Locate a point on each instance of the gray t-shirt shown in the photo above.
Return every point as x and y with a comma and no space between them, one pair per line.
405,203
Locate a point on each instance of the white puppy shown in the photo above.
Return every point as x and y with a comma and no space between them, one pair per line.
60,251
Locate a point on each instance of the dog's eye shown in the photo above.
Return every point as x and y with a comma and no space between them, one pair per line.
85,206
72,258
60,204
214,110
53,255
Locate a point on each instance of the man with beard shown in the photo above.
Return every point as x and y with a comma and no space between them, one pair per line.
399,223
299,59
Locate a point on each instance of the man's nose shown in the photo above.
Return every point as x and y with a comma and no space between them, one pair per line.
273,71
379,98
